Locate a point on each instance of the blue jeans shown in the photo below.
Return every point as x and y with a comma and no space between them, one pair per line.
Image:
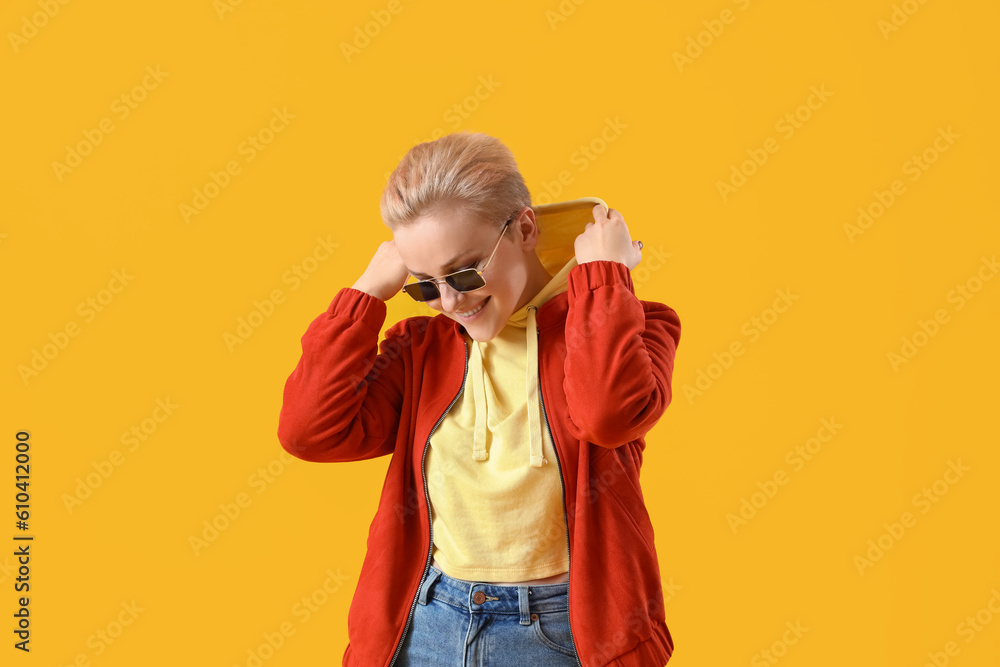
460,623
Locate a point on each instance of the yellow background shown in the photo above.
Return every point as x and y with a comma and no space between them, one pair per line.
559,74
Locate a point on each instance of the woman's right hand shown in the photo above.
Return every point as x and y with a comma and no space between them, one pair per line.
386,274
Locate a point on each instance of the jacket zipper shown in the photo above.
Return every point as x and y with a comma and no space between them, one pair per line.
563,485
430,523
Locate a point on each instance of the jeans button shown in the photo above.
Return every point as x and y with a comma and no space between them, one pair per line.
479,597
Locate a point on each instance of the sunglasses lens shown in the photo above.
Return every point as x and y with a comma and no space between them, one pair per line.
422,291
467,280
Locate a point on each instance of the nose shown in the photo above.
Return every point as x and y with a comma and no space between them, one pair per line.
450,298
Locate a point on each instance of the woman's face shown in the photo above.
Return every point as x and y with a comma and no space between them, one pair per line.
445,242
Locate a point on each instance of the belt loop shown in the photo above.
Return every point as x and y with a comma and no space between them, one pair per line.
522,602
425,587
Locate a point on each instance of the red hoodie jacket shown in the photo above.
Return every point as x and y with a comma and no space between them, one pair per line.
605,366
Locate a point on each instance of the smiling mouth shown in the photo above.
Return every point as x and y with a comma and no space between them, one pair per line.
475,310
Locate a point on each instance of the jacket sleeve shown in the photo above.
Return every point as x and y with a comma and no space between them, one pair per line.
342,402
619,355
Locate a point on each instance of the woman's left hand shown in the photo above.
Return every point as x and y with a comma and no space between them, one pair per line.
607,238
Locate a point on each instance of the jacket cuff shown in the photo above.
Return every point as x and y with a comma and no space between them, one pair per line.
598,273
356,305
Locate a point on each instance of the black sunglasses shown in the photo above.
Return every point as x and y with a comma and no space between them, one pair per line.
466,280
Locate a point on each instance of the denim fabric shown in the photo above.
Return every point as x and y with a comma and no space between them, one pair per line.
513,625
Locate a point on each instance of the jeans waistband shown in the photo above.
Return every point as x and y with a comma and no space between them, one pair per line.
494,598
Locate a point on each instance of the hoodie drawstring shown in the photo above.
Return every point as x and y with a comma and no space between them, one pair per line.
479,453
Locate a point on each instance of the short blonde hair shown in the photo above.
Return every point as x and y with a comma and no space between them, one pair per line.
470,170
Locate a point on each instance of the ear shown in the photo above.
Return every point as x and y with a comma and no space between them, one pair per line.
524,229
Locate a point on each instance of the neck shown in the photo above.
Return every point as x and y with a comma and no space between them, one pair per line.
538,278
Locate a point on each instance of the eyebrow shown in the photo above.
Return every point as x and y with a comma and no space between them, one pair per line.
450,267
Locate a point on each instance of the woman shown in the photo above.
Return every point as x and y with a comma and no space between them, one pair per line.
515,418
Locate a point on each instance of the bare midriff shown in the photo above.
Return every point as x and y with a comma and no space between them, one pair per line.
554,579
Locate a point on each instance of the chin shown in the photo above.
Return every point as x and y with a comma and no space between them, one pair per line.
480,330
480,337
